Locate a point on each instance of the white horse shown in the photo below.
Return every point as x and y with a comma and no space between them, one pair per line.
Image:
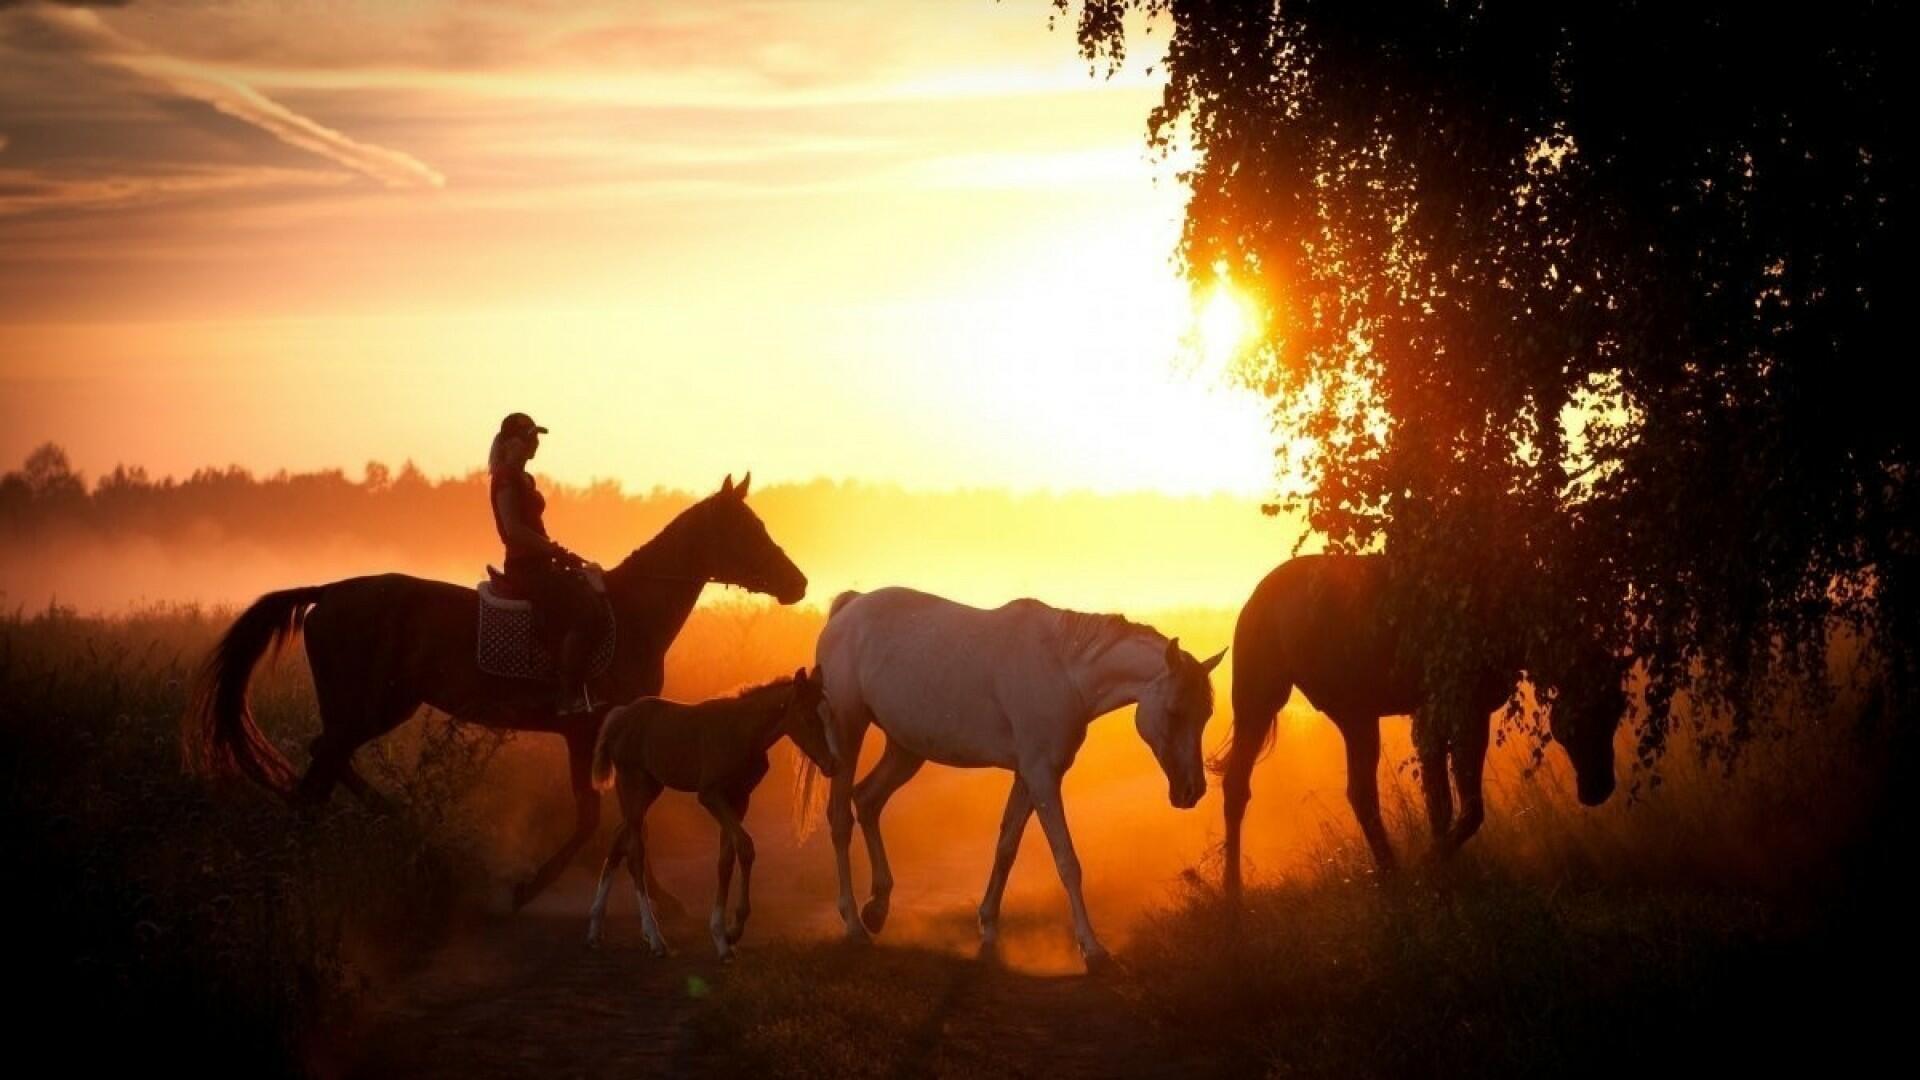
1013,688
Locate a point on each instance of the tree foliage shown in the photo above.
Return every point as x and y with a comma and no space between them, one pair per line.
1579,311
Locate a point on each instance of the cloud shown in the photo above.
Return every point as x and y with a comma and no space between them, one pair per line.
24,191
5,4
98,43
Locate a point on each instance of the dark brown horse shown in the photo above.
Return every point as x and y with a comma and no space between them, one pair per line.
1318,623
380,647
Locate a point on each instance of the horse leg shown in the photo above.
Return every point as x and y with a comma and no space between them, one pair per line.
1013,824
743,851
665,904
1363,784
344,728
734,843
840,820
597,914
1254,709
1043,787
369,796
1469,763
634,807
586,802
330,754
870,796
1431,747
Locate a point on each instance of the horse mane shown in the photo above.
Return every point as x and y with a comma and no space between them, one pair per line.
784,682
676,525
1089,635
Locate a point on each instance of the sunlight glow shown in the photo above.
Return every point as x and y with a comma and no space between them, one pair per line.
1224,326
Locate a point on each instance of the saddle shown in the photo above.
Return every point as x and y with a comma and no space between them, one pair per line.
507,645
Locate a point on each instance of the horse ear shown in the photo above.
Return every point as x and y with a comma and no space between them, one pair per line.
800,676
1212,662
1173,653
726,486
741,491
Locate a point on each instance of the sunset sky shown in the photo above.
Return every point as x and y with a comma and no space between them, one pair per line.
904,242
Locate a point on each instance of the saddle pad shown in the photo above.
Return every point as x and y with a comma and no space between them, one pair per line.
509,648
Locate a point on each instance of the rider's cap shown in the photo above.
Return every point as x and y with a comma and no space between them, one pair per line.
519,425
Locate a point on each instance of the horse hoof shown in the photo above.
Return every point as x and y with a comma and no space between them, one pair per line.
734,935
659,951
593,941
874,915
989,949
857,935
1099,961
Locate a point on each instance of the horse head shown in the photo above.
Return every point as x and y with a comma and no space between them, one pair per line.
1170,717
736,548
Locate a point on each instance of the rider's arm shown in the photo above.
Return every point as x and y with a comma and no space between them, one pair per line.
519,533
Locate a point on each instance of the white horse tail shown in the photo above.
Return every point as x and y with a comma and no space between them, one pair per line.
841,601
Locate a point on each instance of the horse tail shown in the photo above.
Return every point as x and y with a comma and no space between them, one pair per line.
809,792
218,735
841,601
613,729
1259,690
1254,732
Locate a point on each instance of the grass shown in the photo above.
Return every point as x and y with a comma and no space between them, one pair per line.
159,918
212,923
1715,921
826,1012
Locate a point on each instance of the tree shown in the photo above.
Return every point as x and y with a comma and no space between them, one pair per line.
1579,311
49,474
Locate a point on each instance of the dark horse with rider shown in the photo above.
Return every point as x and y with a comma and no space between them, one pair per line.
382,646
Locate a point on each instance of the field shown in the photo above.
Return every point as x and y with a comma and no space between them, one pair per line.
1713,919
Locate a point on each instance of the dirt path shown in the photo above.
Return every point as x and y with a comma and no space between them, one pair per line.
521,995
1006,1023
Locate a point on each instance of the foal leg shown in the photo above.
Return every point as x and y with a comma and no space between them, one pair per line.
1363,784
1013,824
742,851
1043,787
870,796
667,906
734,843
597,914
635,809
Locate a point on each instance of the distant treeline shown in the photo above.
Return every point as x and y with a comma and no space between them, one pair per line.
223,534
46,499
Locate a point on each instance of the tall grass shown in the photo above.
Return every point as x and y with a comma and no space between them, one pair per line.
1722,920
210,921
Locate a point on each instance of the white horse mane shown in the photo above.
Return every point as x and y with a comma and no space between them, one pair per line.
1087,636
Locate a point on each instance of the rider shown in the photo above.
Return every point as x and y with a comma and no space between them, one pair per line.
566,607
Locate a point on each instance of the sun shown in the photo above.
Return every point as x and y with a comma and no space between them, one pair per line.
1224,326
